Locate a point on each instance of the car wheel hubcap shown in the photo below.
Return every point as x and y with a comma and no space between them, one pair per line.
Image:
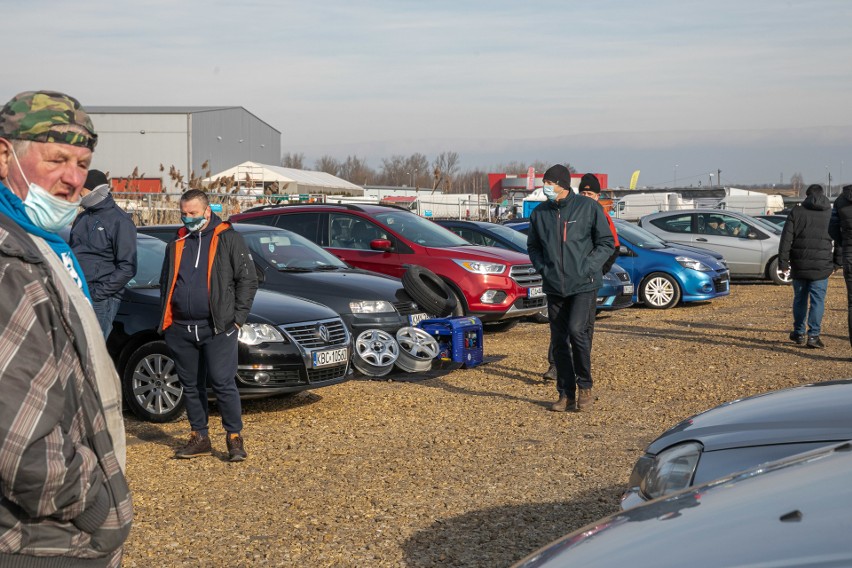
417,349
156,387
659,291
375,352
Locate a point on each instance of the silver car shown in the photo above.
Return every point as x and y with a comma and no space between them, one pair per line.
749,245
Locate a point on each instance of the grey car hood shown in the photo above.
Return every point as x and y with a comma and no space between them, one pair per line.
819,412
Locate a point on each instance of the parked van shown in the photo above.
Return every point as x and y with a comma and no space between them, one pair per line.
633,206
753,203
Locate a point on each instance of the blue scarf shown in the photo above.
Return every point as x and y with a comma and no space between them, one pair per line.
12,206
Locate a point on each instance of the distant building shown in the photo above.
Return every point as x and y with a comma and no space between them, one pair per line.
143,138
289,183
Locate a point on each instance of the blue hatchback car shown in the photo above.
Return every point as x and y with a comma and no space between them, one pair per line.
617,290
666,274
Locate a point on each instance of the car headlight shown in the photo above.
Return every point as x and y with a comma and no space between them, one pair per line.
371,307
672,470
480,267
687,262
256,333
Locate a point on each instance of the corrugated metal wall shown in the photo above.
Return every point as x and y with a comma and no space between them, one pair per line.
224,137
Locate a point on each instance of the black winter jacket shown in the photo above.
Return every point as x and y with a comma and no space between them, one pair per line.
841,223
103,238
232,281
568,243
805,246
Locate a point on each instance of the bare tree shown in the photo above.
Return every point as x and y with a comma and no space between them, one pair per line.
356,170
394,170
328,165
797,182
446,165
293,160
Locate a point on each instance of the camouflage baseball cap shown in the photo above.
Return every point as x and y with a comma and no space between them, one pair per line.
47,116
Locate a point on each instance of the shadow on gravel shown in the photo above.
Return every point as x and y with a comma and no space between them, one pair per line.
706,337
503,535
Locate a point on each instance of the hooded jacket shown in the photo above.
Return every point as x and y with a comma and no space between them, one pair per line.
103,238
841,223
568,243
207,276
805,247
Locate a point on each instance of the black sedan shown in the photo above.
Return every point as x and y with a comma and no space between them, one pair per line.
742,434
792,512
289,263
287,345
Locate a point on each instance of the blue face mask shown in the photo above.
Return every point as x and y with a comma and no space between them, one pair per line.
549,192
193,223
44,210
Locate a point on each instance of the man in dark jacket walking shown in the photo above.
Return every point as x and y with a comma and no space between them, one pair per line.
841,231
207,288
805,251
569,241
103,237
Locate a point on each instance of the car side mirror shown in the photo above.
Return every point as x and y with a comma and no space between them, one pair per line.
381,244
623,251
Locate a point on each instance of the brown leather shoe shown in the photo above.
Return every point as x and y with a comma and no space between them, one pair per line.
563,404
197,445
236,450
550,374
585,399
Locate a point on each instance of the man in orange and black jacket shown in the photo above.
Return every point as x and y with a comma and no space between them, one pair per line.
207,288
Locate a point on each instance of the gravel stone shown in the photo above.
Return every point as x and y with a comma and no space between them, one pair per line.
461,467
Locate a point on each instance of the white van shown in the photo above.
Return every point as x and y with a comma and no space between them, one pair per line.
753,203
633,206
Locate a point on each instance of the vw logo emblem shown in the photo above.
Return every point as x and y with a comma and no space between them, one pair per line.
323,333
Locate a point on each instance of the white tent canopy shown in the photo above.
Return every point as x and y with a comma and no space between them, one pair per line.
288,180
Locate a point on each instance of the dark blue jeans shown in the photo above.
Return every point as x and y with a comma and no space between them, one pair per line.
105,310
199,356
808,292
571,324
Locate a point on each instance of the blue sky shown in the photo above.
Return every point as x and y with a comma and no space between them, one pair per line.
759,89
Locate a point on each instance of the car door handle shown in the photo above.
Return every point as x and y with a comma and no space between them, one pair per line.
701,240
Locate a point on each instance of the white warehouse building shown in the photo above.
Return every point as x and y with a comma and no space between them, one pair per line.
144,138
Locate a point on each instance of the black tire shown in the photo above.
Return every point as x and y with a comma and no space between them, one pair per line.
429,291
459,310
150,384
776,276
659,291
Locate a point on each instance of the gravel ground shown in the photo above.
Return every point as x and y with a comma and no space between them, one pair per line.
461,468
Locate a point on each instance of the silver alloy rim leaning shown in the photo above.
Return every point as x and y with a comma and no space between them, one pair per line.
418,349
155,383
375,352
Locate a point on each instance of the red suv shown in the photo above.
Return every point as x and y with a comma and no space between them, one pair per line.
490,283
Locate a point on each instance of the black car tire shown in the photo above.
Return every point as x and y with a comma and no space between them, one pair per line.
659,291
150,384
502,325
776,276
429,291
459,309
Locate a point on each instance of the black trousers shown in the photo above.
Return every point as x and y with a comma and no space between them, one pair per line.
847,276
571,326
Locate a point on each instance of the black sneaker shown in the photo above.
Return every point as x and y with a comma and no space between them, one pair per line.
814,342
550,374
797,339
197,445
236,451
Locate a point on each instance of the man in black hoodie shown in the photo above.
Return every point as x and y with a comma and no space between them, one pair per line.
805,251
841,232
207,288
103,238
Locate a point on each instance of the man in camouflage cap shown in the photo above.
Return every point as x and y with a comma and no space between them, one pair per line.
63,495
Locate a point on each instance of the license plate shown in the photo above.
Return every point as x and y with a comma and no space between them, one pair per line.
330,357
535,292
414,319
628,290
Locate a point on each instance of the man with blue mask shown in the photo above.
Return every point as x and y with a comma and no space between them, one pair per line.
63,493
569,241
207,288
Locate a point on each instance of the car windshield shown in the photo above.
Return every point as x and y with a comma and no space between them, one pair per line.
149,263
285,250
420,230
639,237
515,237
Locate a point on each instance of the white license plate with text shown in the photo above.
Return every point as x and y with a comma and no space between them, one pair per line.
331,357
535,291
414,319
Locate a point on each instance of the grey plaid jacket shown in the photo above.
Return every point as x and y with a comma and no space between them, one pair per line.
64,500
